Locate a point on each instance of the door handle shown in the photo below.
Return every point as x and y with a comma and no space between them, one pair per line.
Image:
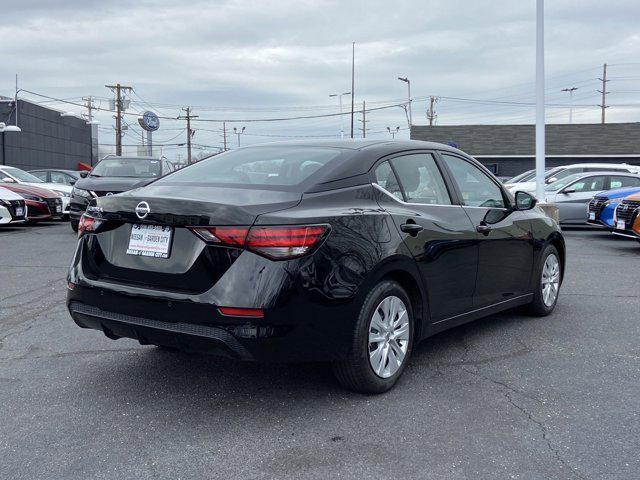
483,229
411,228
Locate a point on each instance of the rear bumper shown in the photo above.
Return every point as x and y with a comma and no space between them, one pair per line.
299,324
188,336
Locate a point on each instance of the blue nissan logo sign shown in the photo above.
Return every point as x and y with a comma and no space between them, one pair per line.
149,121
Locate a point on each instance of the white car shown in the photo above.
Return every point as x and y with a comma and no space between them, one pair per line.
558,173
15,175
12,207
572,194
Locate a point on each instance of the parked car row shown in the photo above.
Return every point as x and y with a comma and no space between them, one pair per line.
571,187
603,195
40,200
64,194
618,211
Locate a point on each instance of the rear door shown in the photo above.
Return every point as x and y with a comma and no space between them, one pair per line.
573,199
436,230
503,236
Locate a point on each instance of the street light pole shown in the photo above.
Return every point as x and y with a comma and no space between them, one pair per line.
570,90
408,82
238,133
393,132
540,126
4,129
339,95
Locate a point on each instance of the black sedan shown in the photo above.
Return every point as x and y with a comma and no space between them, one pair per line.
111,176
348,252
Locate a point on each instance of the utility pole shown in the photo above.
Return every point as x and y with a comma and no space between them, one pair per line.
393,132
431,115
604,92
238,133
224,136
570,90
364,120
353,86
190,132
89,105
117,88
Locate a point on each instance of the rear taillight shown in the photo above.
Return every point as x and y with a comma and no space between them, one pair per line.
276,242
285,242
234,236
88,224
242,312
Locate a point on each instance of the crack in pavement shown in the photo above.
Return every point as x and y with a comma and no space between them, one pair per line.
545,437
543,429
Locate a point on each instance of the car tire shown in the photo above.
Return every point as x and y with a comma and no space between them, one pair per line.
74,225
548,272
382,307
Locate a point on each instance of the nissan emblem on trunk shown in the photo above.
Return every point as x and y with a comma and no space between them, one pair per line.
142,210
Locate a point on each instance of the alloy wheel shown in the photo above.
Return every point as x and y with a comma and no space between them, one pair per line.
550,280
388,336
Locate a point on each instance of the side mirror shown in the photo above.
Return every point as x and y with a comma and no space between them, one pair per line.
8,180
550,180
569,190
72,182
525,201
83,174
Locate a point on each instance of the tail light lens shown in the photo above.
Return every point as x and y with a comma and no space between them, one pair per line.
232,236
88,224
275,242
285,242
241,312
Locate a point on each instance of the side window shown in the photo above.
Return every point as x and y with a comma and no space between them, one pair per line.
591,184
478,190
421,179
620,182
41,175
59,177
387,179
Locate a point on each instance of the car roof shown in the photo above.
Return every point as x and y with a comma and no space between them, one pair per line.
361,156
603,165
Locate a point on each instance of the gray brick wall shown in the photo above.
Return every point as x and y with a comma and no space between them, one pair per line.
47,140
561,139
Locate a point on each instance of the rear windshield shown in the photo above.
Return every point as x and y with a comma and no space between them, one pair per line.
127,167
260,166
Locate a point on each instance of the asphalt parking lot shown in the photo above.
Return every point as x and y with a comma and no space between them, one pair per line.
505,397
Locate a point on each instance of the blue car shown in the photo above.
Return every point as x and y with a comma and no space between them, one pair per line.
603,205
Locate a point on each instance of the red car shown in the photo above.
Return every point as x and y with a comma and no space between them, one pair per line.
42,204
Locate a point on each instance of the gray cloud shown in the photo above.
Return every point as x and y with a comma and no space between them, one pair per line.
282,53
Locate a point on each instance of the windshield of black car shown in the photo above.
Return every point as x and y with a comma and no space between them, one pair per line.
128,167
260,166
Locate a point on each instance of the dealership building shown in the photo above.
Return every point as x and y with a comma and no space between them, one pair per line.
48,138
508,150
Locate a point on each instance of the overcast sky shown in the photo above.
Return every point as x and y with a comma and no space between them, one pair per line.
247,60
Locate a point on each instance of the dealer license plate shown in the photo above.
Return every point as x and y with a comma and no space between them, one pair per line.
592,215
620,225
150,241
58,209
19,211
